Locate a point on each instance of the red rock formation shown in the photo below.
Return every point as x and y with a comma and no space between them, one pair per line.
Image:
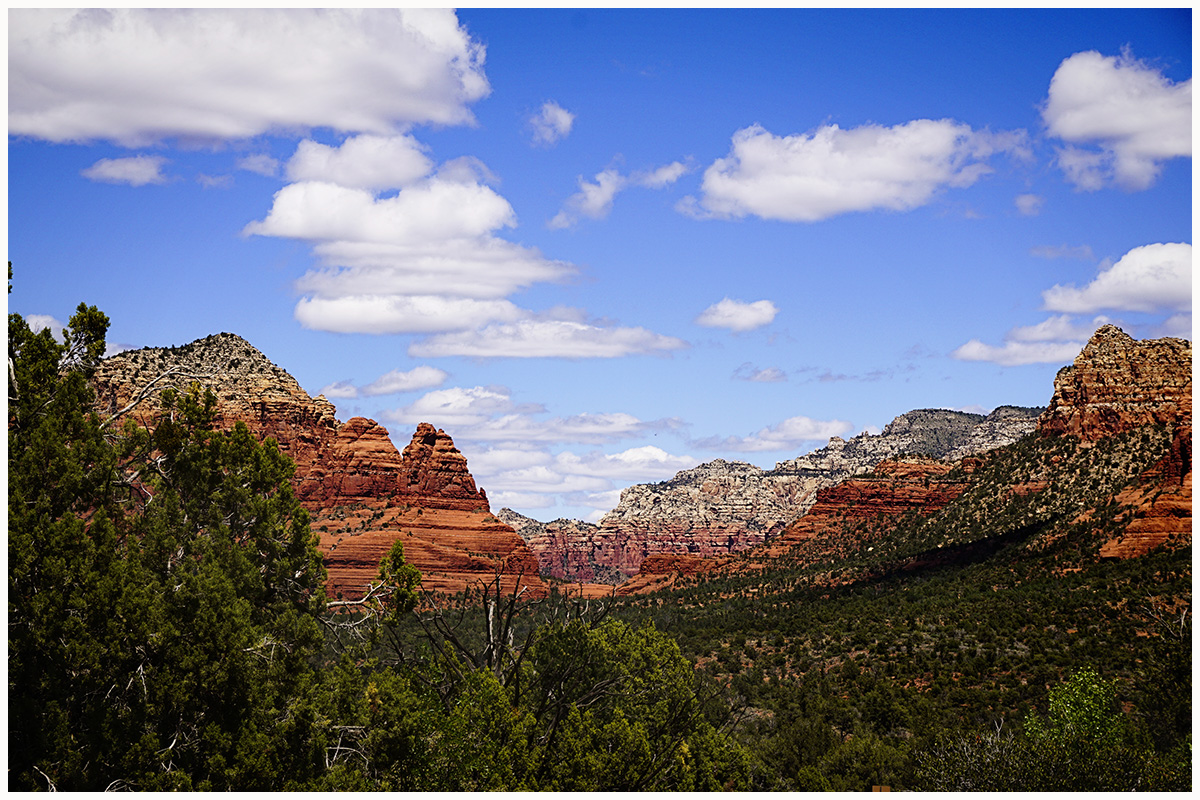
362,493
1160,506
892,490
1118,383
845,519
437,473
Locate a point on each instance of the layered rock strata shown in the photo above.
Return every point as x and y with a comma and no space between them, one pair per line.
863,504
363,494
725,507
1117,383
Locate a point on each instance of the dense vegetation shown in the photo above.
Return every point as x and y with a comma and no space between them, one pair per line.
930,660
168,629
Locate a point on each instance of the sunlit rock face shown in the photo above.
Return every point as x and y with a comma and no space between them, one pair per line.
363,493
1118,383
722,507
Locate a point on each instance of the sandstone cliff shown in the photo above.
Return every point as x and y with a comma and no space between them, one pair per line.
725,507
363,494
1118,383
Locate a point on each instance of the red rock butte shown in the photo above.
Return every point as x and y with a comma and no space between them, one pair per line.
362,493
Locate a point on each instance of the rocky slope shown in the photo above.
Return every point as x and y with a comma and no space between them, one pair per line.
724,506
1118,383
362,492
1111,466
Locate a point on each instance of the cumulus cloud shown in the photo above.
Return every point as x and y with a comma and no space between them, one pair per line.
142,76
378,313
551,123
790,434
811,177
432,211
134,170
340,390
489,414
545,338
1120,119
737,315
460,409
1056,340
424,259
594,200
361,162
533,478
1154,277
40,322
1015,353
397,381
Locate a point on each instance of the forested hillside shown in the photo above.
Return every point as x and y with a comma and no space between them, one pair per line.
169,626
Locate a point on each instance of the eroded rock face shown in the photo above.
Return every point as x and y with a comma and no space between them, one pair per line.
564,548
1118,383
862,503
363,494
725,507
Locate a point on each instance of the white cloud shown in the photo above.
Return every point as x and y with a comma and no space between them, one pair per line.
1056,329
361,162
422,260
737,315
545,338
396,381
134,170
40,322
459,409
488,414
646,463
435,210
663,176
1056,340
259,163
551,123
790,434
594,200
1017,353
400,313
811,177
141,76
1178,325
1154,277
340,390
1029,205
1133,116
535,478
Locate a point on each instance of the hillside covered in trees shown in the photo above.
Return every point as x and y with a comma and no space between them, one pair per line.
169,628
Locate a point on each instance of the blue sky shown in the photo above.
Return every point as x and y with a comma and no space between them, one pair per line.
598,247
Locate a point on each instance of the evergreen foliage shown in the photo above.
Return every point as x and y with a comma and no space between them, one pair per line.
168,629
